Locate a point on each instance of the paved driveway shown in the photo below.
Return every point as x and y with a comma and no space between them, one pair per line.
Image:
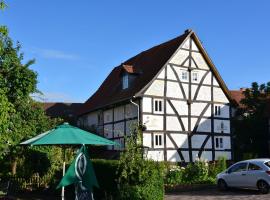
214,194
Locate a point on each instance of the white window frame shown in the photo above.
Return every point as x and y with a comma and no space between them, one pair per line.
184,75
193,74
219,143
158,140
125,81
217,110
160,106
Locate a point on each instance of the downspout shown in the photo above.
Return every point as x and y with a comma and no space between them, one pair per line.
138,109
140,137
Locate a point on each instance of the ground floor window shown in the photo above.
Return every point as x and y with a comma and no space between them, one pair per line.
219,143
158,140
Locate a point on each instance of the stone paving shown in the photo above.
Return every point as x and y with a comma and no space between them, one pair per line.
214,194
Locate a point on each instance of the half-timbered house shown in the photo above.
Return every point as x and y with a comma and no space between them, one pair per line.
176,92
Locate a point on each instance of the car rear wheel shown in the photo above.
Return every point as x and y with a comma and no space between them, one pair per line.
263,187
222,185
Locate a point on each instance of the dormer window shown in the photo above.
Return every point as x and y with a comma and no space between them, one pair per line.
125,81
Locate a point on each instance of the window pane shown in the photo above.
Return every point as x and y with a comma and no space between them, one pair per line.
156,106
217,143
252,166
195,76
125,81
160,143
184,75
215,110
267,164
238,168
219,110
221,142
156,140
160,106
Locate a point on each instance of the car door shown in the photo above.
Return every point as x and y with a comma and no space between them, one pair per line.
253,173
236,175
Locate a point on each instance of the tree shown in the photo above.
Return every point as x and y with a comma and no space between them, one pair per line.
21,117
250,123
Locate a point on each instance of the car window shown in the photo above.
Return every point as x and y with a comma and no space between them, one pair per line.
267,164
253,166
238,168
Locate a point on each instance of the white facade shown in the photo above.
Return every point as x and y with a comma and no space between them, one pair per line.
195,111
113,123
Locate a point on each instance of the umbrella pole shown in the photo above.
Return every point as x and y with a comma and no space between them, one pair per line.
64,171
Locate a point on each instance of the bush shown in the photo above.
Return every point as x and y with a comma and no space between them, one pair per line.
196,172
148,186
216,167
107,179
199,172
174,175
139,179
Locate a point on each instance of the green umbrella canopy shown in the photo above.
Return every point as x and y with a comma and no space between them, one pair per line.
66,134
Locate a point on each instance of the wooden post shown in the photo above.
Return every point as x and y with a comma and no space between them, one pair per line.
64,171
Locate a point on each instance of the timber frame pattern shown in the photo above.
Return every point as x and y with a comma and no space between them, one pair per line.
189,99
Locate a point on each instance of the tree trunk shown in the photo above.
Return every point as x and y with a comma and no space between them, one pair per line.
14,167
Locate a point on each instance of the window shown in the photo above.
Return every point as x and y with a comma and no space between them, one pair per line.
184,75
252,166
217,111
238,168
100,118
125,81
158,106
267,164
195,76
219,143
158,140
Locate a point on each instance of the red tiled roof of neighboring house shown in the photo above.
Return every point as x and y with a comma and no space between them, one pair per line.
67,111
145,65
237,95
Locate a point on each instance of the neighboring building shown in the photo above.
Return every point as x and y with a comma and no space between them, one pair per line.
180,97
66,111
238,95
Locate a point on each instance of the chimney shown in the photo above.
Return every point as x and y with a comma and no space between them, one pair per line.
188,30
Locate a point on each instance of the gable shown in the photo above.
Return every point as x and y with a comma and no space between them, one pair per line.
191,54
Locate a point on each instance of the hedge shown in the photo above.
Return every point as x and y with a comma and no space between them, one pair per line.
106,175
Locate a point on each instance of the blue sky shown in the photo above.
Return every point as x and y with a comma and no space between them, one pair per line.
77,43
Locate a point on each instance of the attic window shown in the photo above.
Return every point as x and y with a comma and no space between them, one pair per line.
125,81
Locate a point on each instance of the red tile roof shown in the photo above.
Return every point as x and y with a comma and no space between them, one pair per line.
144,67
237,95
66,111
148,63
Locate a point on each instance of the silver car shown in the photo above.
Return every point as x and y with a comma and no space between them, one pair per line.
252,174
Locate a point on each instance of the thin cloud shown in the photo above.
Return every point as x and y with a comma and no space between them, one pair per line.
54,97
54,54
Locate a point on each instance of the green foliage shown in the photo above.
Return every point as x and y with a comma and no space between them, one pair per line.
3,5
20,116
250,124
139,178
105,170
196,172
216,167
174,175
